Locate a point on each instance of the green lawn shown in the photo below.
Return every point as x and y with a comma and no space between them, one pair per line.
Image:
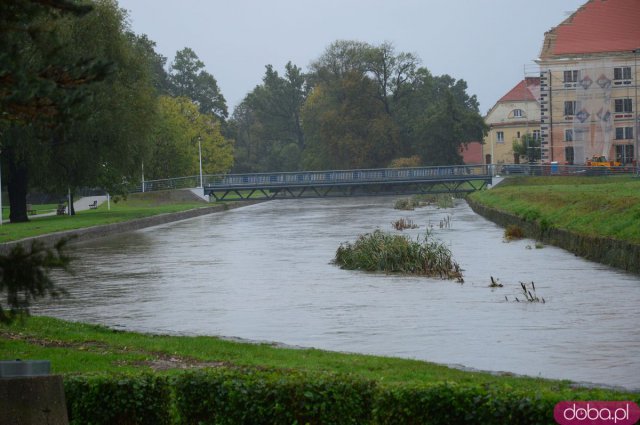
124,210
82,348
594,206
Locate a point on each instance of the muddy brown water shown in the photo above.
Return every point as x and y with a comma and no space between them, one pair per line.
263,273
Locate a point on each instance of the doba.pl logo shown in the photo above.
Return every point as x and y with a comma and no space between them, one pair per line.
596,412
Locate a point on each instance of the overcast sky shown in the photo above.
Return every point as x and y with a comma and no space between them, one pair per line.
488,43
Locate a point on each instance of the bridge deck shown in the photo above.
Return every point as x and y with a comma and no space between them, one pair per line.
387,181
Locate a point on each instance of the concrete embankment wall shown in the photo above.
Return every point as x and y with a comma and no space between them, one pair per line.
612,252
89,233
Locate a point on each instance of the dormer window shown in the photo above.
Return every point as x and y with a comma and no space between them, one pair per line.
517,113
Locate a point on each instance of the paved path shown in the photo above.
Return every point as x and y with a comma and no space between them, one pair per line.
83,203
79,205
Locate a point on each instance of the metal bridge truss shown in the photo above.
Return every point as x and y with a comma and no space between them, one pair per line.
320,184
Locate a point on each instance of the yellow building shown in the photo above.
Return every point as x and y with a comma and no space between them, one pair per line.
515,115
589,84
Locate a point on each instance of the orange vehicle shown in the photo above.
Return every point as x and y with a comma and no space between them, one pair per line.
601,161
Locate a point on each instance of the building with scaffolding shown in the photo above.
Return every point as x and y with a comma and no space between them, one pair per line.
589,84
514,118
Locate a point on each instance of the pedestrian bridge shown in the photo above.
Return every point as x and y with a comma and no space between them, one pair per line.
341,183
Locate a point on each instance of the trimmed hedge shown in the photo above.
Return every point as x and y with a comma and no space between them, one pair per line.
250,397
234,396
452,404
118,400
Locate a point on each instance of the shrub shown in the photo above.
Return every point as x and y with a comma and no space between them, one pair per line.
451,404
25,276
406,204
406,162
404,223
255,397
249,396
380,251
513,232
118,400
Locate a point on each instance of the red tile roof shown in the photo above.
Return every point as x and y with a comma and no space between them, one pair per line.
527,89
598,26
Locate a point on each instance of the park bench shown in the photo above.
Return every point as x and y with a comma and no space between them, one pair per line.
62,209
30,209
93,205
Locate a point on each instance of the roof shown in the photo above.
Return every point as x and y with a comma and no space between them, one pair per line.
598,26
527,89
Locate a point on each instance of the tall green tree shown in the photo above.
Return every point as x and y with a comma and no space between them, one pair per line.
268,124
346,121
345,128
157,63
39,87
393,73
436,117
181,130
103,144
189,79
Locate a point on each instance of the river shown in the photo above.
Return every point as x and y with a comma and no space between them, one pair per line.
263,272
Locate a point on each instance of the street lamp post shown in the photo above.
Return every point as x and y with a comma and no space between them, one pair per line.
200,156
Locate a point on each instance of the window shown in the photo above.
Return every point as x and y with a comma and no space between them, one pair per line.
518,113
500,136
536,134
623,133
517,135
624,153
622,105
570,107
622,73
568,155
570,76
568,135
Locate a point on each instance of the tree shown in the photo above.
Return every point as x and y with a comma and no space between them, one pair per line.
33,81
189,79
25,277
181,127
345,129
268,122
445,126
37,84
102,143
156,62
392,73
527,147
436,116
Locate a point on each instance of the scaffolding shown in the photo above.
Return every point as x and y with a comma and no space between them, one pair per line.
589,109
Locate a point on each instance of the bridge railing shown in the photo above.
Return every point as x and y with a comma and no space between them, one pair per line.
345,176
561,170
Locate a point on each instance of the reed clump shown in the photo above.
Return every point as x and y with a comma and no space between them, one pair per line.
495,283
513,232
441,200
404,223
406,204
528,293
381,251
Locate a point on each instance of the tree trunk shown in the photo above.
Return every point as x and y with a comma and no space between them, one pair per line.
17,184
72,210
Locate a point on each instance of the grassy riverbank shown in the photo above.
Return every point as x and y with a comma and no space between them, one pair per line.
606,207
82,348
134,207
